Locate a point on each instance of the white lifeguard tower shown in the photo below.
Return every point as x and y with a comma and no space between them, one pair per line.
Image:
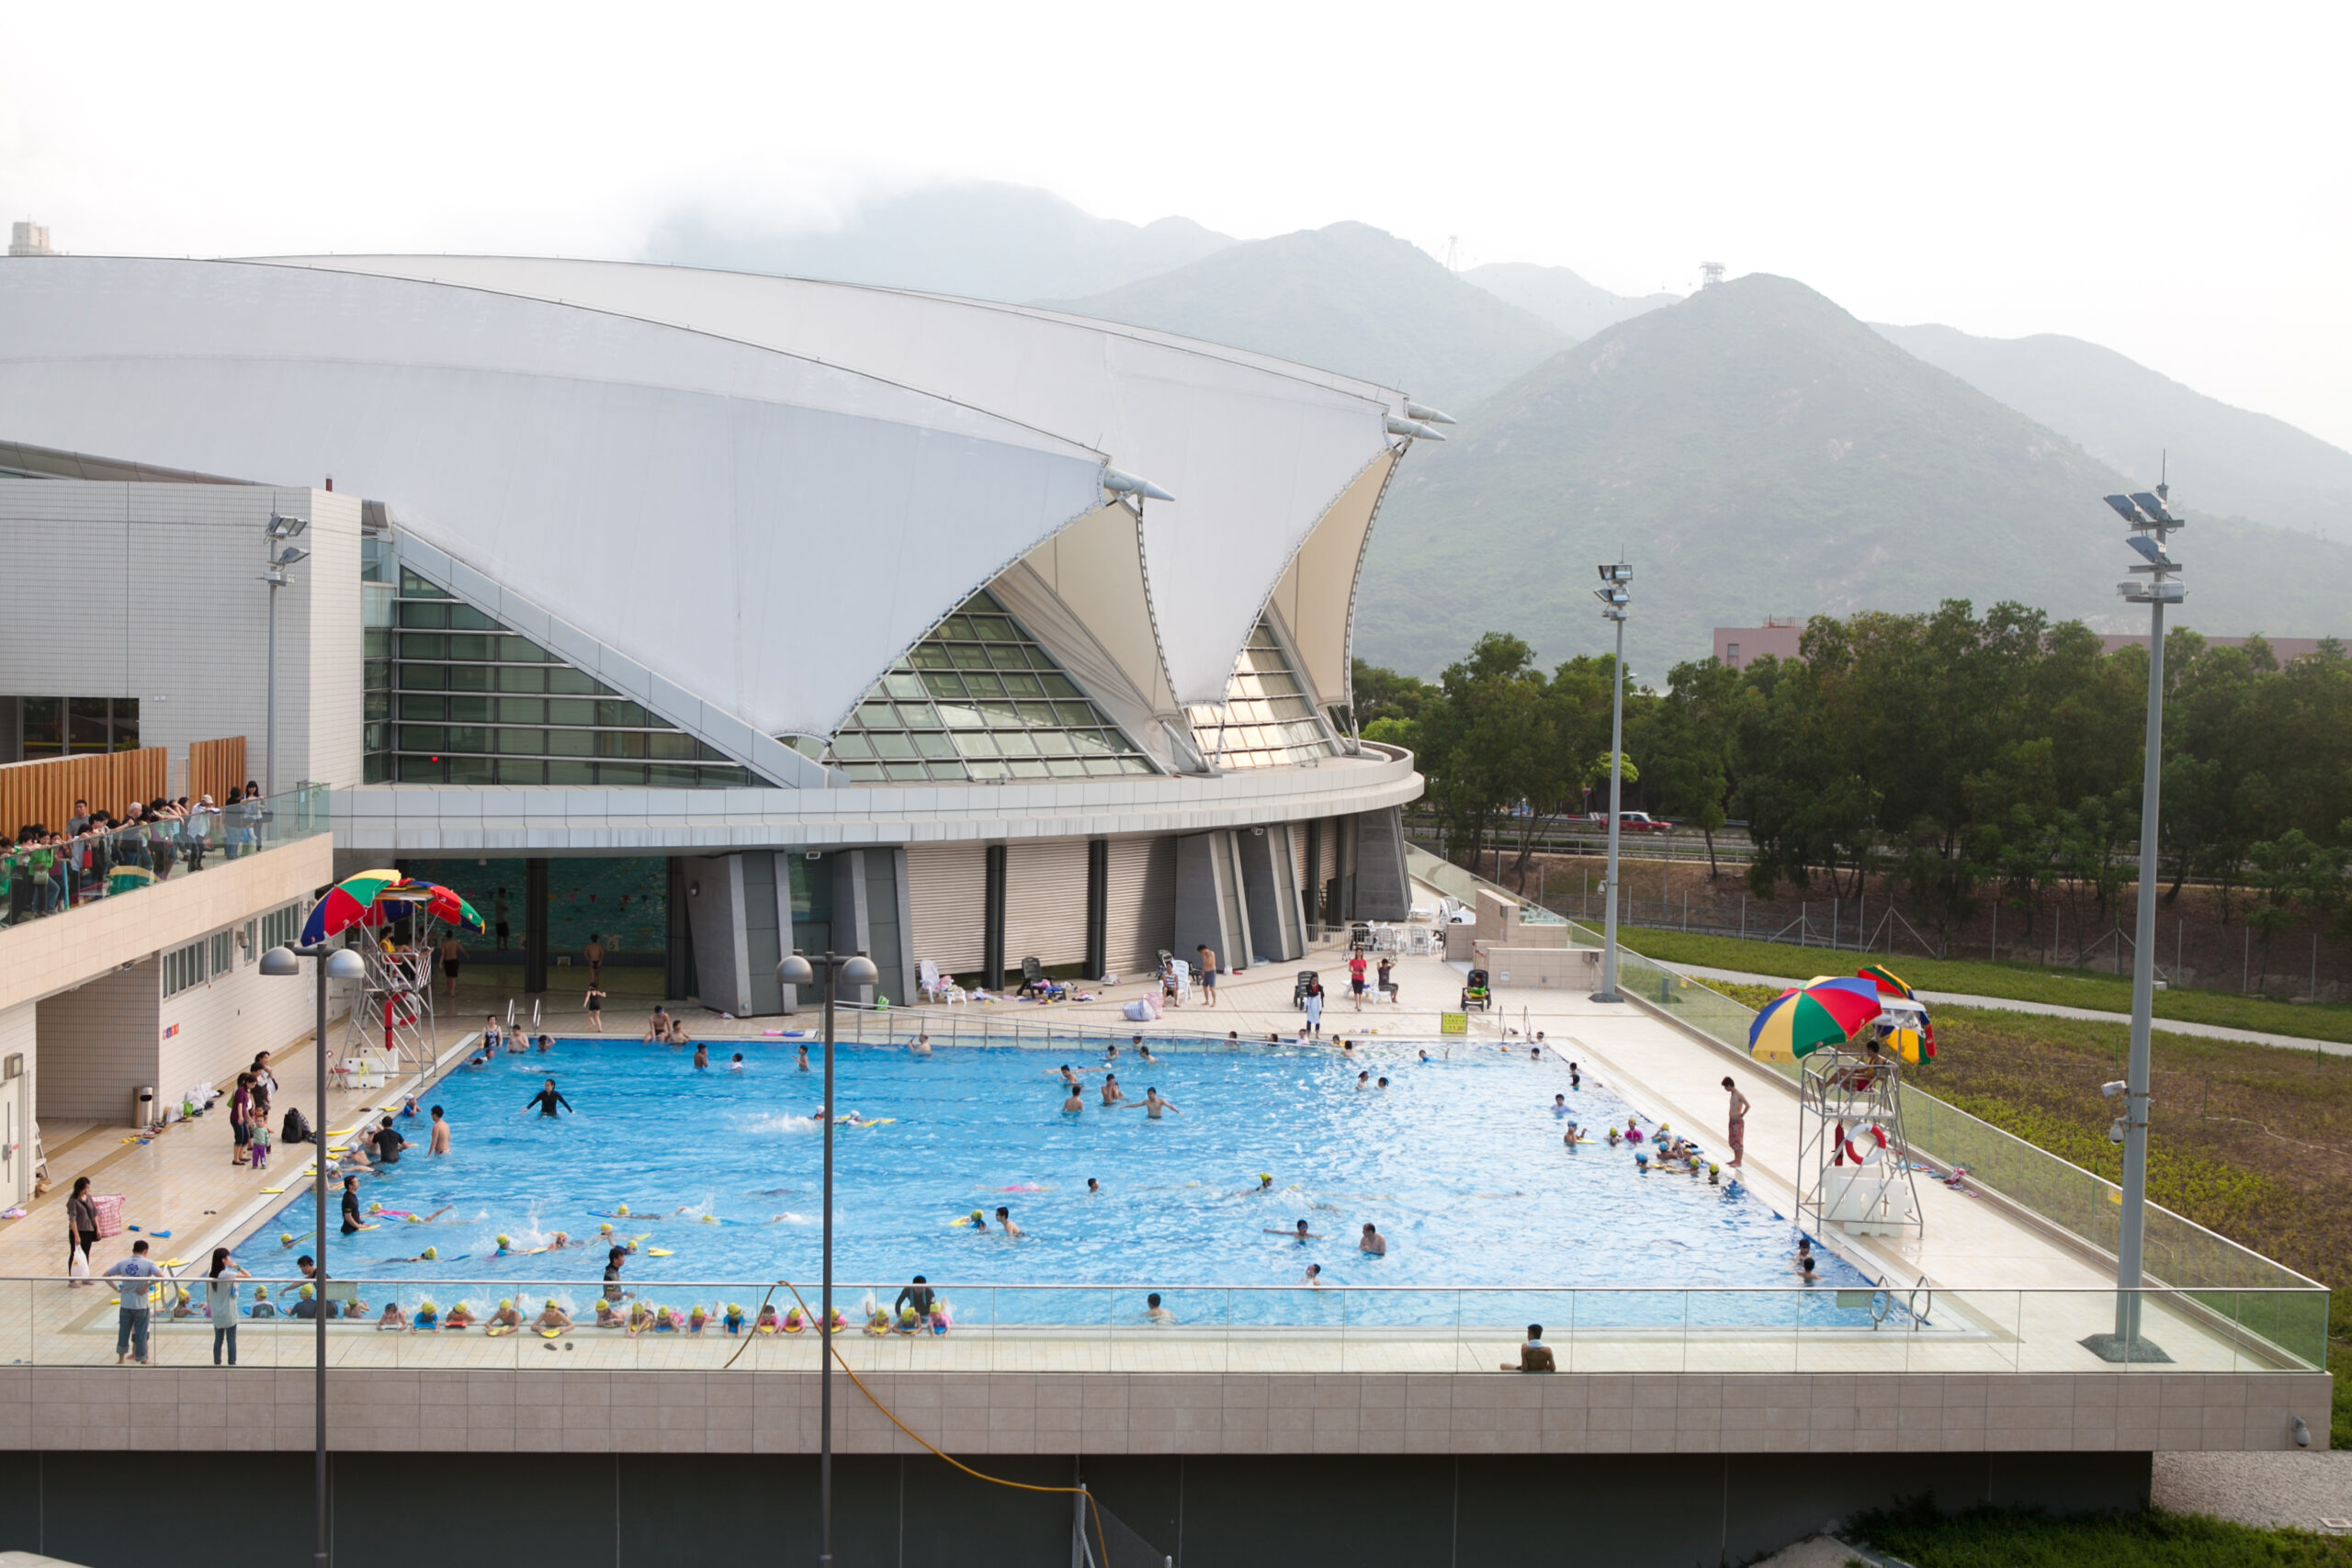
1852,1172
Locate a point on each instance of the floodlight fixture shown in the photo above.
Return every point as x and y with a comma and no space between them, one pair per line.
290,555
286,527
2153,592
1615,571
1120,483
1612,595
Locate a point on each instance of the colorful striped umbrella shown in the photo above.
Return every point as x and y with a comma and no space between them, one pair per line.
1914,1041
1806,1018
438,903
351,902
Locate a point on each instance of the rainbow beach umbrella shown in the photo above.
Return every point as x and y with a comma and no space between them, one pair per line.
1802,1020
351,902
1912,1037
438,903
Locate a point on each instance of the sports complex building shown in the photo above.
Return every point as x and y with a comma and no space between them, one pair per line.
708,616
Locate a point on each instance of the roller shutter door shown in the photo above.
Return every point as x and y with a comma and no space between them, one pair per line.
1045,902
1142,903
1298,876
946,887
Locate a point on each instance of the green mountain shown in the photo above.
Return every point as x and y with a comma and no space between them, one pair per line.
982,241
1553,293
1752,450
1349,298
2223,459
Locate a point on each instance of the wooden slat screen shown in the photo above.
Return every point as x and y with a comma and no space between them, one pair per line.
216,768
44,791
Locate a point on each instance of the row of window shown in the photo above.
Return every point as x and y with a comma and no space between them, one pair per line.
208,958
62,726
578,712
1266,719
484,740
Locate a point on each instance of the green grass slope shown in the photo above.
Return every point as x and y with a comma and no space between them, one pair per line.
1349,298
1756,450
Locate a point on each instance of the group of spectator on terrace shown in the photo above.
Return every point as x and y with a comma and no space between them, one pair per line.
44,870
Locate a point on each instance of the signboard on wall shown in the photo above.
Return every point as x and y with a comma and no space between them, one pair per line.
1453,1023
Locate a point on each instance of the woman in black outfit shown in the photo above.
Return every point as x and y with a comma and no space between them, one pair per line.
81,1222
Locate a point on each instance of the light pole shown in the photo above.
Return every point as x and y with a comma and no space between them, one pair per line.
1614,600
797,971
2151,524
334,963
280,556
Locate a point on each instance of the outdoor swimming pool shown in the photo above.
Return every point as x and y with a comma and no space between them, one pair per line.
1459,1163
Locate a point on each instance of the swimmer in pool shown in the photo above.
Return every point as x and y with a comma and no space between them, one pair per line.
1111,1093
1535,1052
1572,1138
1074,1104
1575,1077
1559,1105
553,1320
1425,1059
1364,1080
1111,1052
1153,1105
1374,1244
1265,1184
1145,1051
921,1047
1067,1077
1314,1275
803,1062
1154,1312
1347,1048
1382,1086
1615,1138
701,1057
1302,1235
737,1065
980,1222
1093,1187
1004,1223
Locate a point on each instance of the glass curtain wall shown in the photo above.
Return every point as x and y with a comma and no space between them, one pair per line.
1267,721
452,696
979,699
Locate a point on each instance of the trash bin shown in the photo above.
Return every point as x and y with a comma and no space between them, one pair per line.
142,1110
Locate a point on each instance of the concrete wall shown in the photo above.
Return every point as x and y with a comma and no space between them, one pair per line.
20,1034
1270,885
1208,901
101,1043
1557,968
160,598
661,1510
210,1034
715,906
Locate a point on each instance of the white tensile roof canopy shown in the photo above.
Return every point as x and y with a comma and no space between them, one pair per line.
762,489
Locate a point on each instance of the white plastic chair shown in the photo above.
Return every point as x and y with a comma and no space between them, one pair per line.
932,989
1184,980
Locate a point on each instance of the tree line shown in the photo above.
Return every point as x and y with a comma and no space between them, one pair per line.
1955,757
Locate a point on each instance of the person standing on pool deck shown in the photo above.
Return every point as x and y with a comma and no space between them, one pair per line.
1314,1006
595,953
1355,979
130,1323
453,955
547,1099
595,1002
440,1141
1736,1135
1208,973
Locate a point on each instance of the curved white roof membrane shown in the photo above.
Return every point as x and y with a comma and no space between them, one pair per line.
763,530
1255,451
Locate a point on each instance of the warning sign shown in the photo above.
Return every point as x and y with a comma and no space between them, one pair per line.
1453,1023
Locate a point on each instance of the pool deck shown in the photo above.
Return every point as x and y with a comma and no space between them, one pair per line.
2001,1369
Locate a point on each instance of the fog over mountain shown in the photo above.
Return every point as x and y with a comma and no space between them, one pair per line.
982,241
1573,306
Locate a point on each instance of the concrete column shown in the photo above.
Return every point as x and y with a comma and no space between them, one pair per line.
534,926
1384,887
1269,889
1209,907
678,982
715,908
1098,907
992,920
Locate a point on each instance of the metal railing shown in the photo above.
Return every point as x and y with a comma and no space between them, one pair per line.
2179,1252
651,1325
54,872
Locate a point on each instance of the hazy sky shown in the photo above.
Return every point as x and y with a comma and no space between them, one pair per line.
2169,180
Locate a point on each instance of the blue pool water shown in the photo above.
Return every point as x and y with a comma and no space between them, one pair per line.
1459,1163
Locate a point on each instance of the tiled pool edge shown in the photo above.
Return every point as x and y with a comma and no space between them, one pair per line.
203,1409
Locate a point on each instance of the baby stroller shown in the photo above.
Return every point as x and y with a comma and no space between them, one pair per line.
1474,992
1298,989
